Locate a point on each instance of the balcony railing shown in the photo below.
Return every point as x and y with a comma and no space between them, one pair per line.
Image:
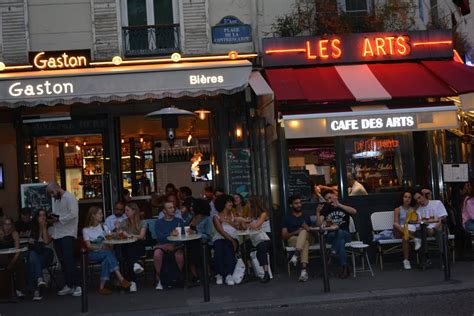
151,40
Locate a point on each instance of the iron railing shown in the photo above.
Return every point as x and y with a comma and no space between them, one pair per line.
151,40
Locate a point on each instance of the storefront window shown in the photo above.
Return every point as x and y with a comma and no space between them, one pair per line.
377,164
312,162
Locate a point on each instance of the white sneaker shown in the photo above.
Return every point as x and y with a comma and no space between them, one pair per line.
137,268
158,286
229,280
303,276
406,265
77,291
20,293
41,282
37,296
417,244
294,260
219,279
133,287
66,290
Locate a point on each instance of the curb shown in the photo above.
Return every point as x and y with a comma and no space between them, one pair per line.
219,306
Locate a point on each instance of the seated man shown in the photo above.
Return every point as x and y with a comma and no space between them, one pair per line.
355,187
431,208
295,231
165,227
337,219
24,225
118,215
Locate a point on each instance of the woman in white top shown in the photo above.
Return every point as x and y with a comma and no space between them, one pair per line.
94,233
261,241
225,239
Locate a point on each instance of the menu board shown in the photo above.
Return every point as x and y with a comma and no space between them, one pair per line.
456,172
299,183
238,171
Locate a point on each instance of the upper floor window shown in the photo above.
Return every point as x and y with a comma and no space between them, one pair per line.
150,27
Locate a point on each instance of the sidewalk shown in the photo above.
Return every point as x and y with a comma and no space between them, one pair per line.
280,291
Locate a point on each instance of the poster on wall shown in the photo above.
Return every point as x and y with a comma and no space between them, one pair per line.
34,195
2,177
456,172
238,171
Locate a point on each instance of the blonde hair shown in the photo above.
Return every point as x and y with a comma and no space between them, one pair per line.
2,232
93,210
133,223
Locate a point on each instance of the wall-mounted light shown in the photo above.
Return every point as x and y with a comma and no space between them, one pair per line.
141,139
202,114
28,146
66,144
78,147
217,169
47,144
238,133
122,140
84,143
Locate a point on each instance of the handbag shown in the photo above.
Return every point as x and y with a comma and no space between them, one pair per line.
239,271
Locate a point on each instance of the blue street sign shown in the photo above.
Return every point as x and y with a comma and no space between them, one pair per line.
230,30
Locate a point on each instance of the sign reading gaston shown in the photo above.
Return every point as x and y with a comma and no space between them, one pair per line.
60,59
370,123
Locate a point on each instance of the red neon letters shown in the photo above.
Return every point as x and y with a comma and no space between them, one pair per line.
386,46
325,49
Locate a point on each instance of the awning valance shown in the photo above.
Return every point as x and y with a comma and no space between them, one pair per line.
370,122
370,82
123,83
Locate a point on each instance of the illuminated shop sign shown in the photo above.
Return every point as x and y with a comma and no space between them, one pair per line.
18,89
352,48
60,59
372,123
205,80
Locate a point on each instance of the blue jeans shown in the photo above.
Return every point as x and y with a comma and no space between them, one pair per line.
469,225
36,263
107,260
338,240
64,248
224,257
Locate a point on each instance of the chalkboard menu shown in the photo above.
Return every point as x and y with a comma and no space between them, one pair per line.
299,183
238,171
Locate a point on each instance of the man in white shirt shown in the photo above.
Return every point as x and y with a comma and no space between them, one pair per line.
118,215
64,220
431,208
355,187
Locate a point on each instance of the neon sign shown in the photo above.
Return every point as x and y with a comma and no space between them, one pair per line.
59,62
352,48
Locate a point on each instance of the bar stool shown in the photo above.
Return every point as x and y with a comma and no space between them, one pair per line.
359,248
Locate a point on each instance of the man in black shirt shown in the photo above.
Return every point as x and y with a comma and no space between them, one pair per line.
336,217
24,225
295,231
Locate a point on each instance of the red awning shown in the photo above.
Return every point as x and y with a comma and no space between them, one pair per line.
458,76
369,82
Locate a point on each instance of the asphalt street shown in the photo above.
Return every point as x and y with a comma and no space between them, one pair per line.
459,304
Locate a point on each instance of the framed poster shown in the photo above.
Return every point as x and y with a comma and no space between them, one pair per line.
34,195
2,177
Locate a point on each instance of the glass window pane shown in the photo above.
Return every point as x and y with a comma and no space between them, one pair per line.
377,163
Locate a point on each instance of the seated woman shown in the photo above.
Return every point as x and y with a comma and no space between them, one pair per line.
165,227
11,263
260,220
202,224
94,233
468,209
225,239
39,256
401,229
133,227
240,208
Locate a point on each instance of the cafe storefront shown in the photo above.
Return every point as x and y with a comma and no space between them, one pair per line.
382,108
82,124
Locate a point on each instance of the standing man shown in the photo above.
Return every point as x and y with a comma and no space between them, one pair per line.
64,222
296,232
435,208
355,187
118,215
337,219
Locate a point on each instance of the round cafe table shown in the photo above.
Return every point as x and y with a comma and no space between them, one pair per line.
119,243
423,225
184,239
246,256
9,251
